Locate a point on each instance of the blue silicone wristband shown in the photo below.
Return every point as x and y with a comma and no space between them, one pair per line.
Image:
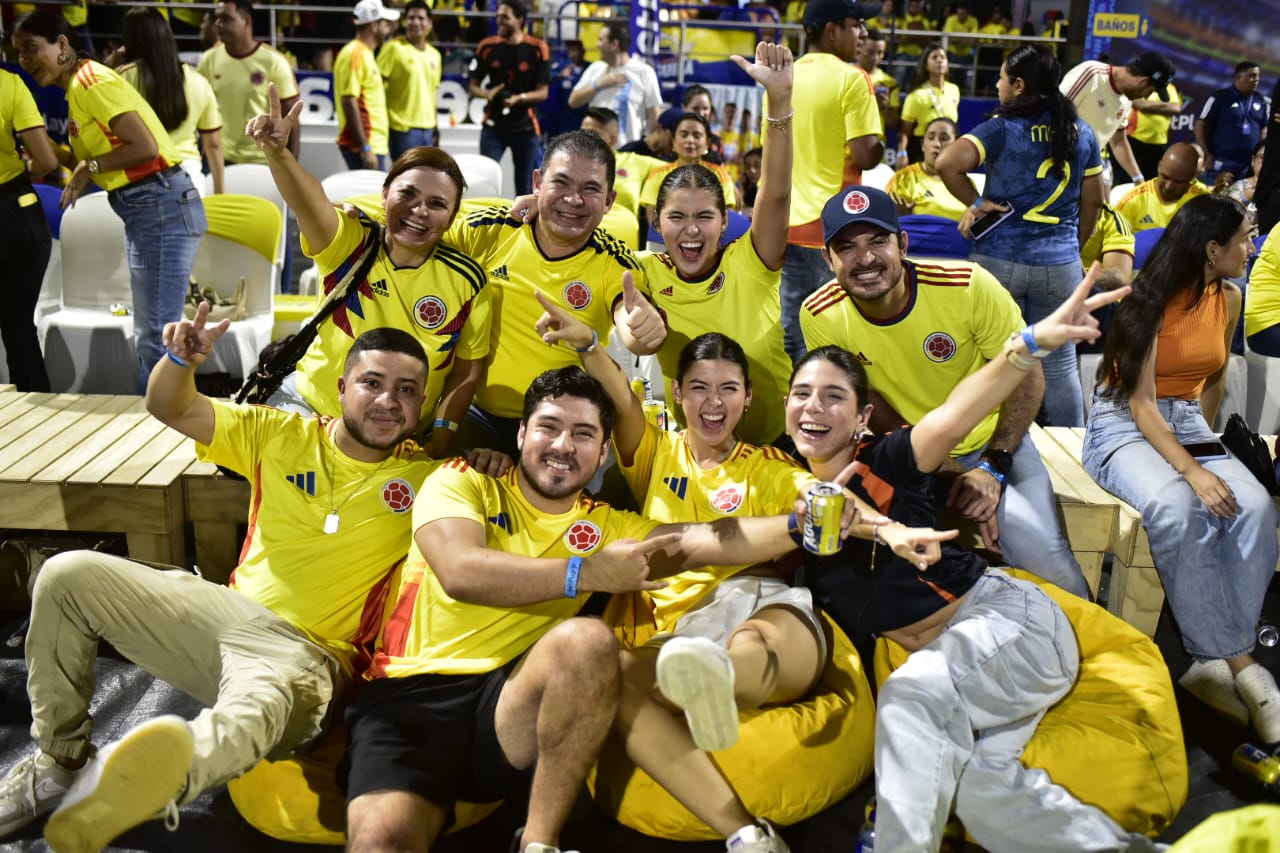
1029,338
595,342
571,577
176,360
990,469
793,528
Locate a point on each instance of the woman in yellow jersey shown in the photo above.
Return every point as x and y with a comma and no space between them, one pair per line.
25,241
690,140
918,189
417,283
119,144
701,286
183,100
931,96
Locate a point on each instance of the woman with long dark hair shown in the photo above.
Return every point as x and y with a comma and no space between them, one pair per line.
1212,526
118,143
932,96
1044,170
183,100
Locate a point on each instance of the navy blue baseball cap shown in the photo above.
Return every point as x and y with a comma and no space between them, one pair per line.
818,13
857,204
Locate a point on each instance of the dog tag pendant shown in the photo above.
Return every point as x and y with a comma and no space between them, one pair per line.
331,523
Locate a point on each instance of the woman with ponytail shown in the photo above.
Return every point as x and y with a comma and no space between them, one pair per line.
1043,170
1212,526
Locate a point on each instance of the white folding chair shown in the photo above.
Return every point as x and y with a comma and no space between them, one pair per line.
338,187
483,174
255,179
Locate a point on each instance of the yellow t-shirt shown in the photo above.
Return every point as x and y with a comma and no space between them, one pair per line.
97,95
202,109
297,476
631,170
444,303
879,78
653,182
739,298
355,74
1152,128
833,103
427,631
240,85
1143,207
411,77
1262,306
672,488
912,46
587,282
957,320
925,103
18,112
960,47
1113,234
929,192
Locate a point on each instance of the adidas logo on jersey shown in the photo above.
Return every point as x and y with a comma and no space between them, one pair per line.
500,272
379,287
1147,219
678,485
305,481
667,291
501,520
862,359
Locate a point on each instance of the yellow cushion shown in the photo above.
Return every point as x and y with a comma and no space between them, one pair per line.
790,761
299,800
1115,741
1252,829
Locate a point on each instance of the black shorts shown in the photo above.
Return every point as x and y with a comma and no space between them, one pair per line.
432,735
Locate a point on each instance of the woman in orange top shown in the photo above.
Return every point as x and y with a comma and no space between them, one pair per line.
1212,526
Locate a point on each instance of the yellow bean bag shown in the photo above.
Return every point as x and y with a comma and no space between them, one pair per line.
790,761
299,800
1115,741
1252,829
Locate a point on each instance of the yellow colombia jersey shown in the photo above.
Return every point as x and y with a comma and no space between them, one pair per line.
740,299
956,320
356,75
587,282
1113,234
97,95
1262,307
240,84
883,78
426,631
1153,128
18,112
1143,207
412,77
653,182
632,169
297,476
928,192
444,303
202,109
673,489
925,103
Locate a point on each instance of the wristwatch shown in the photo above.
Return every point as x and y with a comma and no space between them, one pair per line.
93,166
1001,460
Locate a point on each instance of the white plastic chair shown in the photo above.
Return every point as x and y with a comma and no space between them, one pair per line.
255,179
483,174
338,187
1262,409
1118,192
87,350
877,176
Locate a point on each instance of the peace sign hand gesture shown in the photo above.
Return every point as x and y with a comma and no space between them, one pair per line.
190,340
271,132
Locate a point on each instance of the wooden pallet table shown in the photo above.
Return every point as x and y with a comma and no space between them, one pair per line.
215,505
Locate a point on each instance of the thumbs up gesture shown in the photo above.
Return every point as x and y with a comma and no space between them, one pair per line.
640,322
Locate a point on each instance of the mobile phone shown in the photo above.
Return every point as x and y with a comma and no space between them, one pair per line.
1205,450
988,220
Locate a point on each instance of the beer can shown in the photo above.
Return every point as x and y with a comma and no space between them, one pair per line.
1257,764
822,521
1268,634
655,412
637,388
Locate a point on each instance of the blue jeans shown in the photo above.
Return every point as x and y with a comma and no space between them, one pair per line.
355,160
1039,290
163,221
526,154
402,140
951,724
803,271
1030,535
1266,342
1215,571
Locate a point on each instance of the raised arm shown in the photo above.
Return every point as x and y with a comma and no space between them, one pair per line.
171,389
773,68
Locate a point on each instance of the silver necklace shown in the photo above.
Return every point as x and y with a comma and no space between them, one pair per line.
333,520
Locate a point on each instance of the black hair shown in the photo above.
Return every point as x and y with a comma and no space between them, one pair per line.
148,41
517,7
945,120
845,361
604,115
921,75
1176,264
417,4
1040,72
713,346
1243,66
244,7
429,157
692,92
621,33
874,34
570,381
386,339
49,25
582,143
706,125
693,176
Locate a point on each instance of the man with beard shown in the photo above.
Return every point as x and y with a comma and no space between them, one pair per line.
483,676
271,653
919,329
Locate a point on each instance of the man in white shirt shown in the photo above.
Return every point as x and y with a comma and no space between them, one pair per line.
623,83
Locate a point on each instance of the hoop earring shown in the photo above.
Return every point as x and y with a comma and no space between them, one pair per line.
65,59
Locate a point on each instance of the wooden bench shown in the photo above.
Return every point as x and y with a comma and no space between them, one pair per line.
216,505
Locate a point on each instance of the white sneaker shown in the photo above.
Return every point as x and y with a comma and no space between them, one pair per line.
756,838
131,781
1213,684
1258,689
34,786
695,674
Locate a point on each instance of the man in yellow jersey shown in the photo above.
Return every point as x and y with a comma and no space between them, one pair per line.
837,134
358,90
482,676
273,652
909,48
240,68
871,52
1149,128
411,70
1153,204
920,328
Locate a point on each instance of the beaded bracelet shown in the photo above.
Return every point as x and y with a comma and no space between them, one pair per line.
779,123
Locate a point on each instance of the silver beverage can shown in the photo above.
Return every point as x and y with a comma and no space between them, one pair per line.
822,521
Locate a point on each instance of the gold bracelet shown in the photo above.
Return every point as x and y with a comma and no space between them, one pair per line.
779,123
1019,360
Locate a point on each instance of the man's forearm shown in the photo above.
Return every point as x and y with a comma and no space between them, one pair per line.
1018,412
